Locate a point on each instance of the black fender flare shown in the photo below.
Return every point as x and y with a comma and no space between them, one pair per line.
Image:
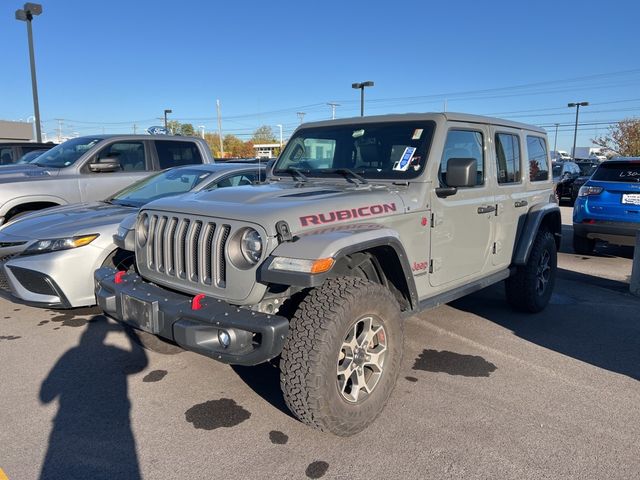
548,214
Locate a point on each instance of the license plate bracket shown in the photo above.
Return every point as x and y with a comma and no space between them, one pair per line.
631,198
140,313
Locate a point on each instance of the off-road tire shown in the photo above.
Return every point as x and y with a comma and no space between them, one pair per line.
522,288
583,245
308,363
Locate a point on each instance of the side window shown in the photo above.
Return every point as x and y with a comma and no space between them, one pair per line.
463,144
537,152
236,180
176,154
6,156
508,158
130,155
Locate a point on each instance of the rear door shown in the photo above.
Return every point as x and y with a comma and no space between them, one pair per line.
511,197
135,164
461,234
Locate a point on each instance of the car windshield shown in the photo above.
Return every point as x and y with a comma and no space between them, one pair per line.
30,156
384,150
67,153
164,184
586,169
618,172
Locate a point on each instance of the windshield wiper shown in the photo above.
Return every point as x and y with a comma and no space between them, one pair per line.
346,173
296,172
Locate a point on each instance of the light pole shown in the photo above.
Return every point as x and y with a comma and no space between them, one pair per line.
362,86
165,118
26,14
201,127
280,127
575,132
555,141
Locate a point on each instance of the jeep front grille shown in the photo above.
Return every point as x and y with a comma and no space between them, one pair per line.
187,249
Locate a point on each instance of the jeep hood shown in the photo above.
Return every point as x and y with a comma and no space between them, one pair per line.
303,208
65,221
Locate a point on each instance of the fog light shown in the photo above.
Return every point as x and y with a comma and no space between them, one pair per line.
224,338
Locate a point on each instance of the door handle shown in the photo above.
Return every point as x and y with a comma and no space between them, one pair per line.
521,203
487,209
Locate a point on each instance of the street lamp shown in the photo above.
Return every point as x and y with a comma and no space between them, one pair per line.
165,118
575,132
201,127
26,14
280,127
362,86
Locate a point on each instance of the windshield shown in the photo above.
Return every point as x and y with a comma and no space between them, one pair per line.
586,169
164,184
618,172
67,153
30,156
389,150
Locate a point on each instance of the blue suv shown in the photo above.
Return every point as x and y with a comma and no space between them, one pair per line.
608,206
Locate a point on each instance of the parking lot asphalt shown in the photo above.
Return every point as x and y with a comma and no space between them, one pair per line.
483,393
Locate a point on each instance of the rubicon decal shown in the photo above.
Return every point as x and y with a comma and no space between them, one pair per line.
352,213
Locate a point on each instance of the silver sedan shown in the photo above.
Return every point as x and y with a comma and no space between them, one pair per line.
48,258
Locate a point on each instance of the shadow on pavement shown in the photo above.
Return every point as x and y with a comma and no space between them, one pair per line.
264,379
91,436
577,323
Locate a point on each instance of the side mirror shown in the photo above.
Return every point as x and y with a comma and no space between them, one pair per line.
103,165
461,172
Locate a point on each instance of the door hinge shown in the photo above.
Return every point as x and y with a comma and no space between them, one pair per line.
434,265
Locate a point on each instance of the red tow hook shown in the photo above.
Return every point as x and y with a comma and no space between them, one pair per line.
119,275
196,302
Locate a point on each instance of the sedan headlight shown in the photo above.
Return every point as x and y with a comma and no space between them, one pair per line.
245,248
56,244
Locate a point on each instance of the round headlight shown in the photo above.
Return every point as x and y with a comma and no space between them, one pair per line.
251,246
142,229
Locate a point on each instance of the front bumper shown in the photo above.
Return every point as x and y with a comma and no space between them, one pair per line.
254,337
59,279
618,233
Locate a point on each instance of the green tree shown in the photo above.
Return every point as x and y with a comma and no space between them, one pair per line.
263,134
623,138
213,140
177,128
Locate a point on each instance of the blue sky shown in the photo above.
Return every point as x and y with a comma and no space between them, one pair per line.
110,64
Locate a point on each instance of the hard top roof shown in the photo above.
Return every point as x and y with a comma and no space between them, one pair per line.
451,116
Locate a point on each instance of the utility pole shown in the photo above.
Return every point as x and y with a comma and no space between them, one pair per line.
575,132
220,128
59,129
301,116
333,106
26,15
555,142
135,129
444,106
281,142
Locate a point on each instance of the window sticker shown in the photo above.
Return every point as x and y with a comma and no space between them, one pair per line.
402,165
417,133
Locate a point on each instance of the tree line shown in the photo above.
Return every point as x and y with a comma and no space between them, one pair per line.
234,147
